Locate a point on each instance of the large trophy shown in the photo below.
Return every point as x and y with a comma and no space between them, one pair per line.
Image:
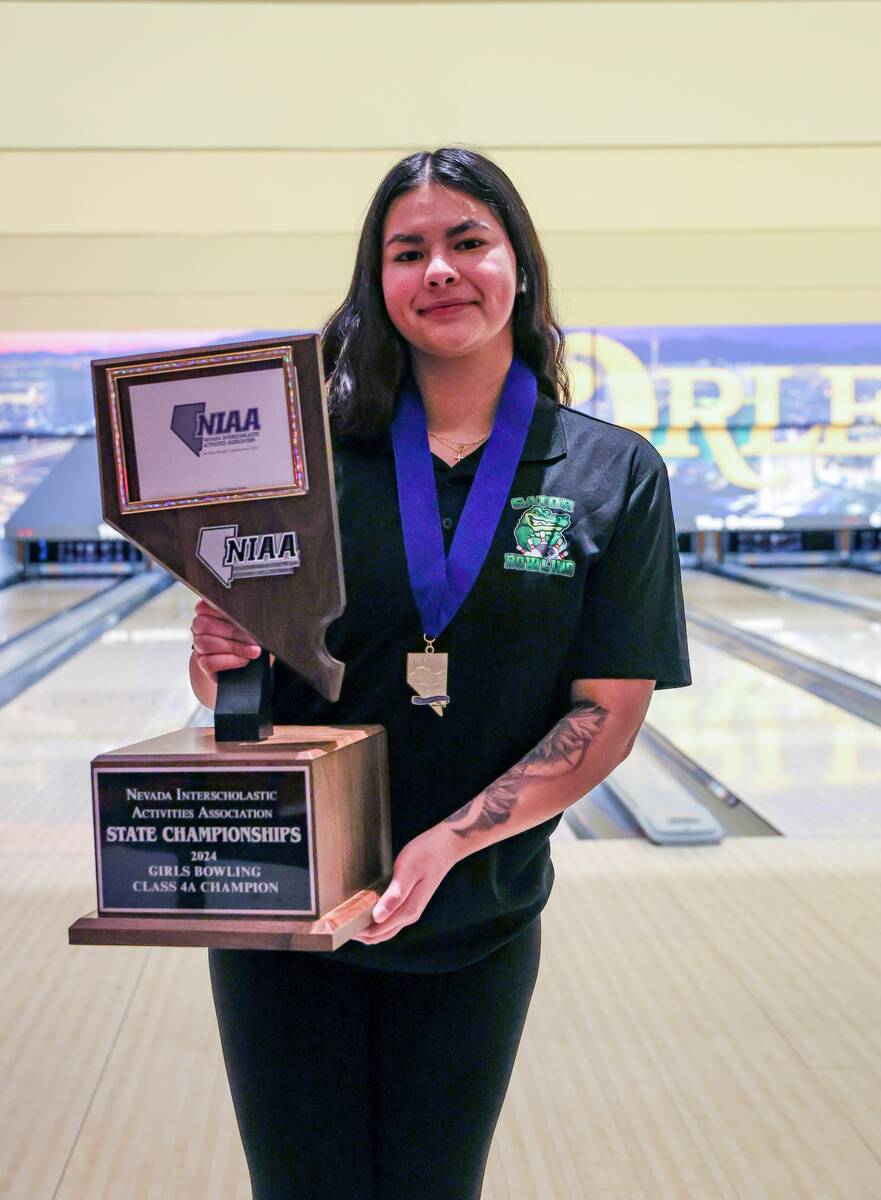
217,463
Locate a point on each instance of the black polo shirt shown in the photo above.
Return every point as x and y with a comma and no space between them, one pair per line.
581,581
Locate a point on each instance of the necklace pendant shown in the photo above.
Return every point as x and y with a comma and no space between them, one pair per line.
427,676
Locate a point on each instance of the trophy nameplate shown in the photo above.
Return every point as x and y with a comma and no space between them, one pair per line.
216,462
274,845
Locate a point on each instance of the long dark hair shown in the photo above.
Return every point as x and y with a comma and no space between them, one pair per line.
364,355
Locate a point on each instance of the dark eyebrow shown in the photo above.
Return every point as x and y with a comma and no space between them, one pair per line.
416,239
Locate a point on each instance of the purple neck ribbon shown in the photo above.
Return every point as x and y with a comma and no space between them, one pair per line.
440,583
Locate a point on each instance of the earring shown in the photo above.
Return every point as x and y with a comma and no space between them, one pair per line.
521,286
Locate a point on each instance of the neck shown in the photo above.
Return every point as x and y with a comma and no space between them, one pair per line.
461,395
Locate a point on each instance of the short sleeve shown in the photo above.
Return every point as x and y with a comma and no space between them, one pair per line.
633,624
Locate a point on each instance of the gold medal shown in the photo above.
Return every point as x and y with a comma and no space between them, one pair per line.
427,676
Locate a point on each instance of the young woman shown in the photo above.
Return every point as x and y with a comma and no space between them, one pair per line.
533,546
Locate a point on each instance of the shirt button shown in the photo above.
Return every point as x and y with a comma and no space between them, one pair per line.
447,522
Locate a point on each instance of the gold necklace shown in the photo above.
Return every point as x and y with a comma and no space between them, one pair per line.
459,447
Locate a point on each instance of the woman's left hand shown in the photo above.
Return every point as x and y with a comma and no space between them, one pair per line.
419,869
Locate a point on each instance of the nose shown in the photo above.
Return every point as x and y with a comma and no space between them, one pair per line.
439,272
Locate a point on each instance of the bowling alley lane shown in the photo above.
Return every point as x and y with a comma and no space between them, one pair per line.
61,1007
843,639
803,764
839,581
118,1048
33,601
129,684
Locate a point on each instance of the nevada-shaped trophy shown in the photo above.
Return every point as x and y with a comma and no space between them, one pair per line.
217,463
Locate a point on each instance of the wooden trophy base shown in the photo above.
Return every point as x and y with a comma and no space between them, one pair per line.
240,933
173,842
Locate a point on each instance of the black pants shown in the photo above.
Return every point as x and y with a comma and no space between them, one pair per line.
358,1084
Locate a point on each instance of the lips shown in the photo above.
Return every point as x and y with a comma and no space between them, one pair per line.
446,304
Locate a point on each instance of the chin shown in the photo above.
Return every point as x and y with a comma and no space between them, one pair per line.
452,347
448,351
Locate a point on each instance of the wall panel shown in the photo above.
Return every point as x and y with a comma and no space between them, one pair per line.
716,161
362,75
582,307
328,192
321,262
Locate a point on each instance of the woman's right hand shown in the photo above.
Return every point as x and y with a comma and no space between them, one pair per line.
219,644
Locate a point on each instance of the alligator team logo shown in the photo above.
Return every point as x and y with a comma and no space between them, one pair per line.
223,429
540,536
231,557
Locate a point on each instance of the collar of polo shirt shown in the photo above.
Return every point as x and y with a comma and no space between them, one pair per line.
545,442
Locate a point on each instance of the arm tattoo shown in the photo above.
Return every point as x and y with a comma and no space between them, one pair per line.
563,750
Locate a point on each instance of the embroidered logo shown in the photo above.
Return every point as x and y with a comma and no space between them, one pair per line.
539,534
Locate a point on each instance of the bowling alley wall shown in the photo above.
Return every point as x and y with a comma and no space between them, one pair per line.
705,178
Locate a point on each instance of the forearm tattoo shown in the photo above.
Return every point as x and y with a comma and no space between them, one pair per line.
563,750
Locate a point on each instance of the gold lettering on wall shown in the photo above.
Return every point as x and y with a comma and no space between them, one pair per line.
848,412
711,399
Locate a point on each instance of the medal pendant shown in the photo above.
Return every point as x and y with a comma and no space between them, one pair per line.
427,676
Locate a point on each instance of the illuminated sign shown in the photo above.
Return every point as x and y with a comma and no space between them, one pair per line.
761,427
750,441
